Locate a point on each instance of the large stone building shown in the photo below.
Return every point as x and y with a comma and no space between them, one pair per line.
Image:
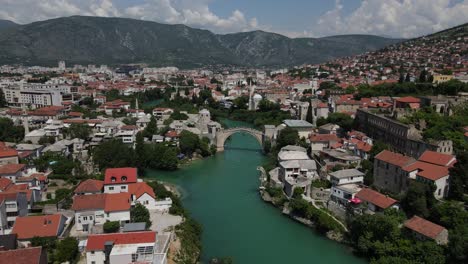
403,138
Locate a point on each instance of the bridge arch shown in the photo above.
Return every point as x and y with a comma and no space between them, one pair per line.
223,134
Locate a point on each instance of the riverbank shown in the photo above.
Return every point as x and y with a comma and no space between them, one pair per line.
221,193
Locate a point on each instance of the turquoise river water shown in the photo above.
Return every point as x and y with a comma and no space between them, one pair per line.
221,193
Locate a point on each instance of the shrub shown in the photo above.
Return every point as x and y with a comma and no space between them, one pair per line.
111,227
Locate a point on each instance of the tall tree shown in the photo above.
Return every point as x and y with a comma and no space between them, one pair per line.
3,102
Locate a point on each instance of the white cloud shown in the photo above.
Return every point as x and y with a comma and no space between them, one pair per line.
194,13
397,18
26,11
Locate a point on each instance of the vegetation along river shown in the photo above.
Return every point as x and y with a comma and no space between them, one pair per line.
221,193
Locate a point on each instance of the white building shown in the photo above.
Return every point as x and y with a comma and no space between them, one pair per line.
96,209
135,247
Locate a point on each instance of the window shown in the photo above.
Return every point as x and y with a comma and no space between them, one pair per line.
113,179
92,253
90,218
123,187
111,188
85,218
439,191
124,178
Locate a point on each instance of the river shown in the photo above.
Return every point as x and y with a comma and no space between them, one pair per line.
221,193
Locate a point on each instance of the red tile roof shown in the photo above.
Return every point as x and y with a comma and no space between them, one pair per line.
38,226
424,227
30,255
140,188
5,183
323,137
109,202
120,175
437,158
117,202
428,170
97,242
6,151
394,158
90,186
375,198
9,169
408,99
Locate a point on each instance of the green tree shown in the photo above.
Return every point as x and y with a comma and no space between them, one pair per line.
287,136
113,154
111,226
459,177
177,115
9,132
67,250
266,105
419,199
343,120
81,131
139,214
152,128
188,142
241,102
46,140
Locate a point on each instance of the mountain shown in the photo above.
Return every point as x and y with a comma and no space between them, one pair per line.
5,24
98,40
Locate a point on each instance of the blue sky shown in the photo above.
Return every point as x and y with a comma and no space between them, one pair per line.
294,18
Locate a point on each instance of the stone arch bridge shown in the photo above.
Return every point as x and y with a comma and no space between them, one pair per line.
223,134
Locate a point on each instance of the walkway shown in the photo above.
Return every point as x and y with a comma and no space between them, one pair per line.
312,201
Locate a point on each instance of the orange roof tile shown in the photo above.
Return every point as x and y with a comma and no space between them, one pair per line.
28,227
394,158
437,158
30,255
109,202
9,169
96,242
90,186
6,152
120,175
375,198
424,227
140,188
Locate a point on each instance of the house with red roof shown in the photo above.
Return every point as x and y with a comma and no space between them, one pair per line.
46,226
30,255
375,201
8,155
135,247
116,180
89,186
124,180
426,230
389,173
393,171
96,209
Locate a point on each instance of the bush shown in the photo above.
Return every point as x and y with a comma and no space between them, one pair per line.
111,227
139,214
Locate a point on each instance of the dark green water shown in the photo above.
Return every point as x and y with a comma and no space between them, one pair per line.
221,193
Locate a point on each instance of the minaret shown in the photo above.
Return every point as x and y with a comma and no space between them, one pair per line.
136,104
251,92
25,119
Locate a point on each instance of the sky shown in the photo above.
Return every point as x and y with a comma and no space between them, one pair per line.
293,18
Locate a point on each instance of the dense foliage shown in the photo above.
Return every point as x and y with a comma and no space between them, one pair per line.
115,154
9,132
379,238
